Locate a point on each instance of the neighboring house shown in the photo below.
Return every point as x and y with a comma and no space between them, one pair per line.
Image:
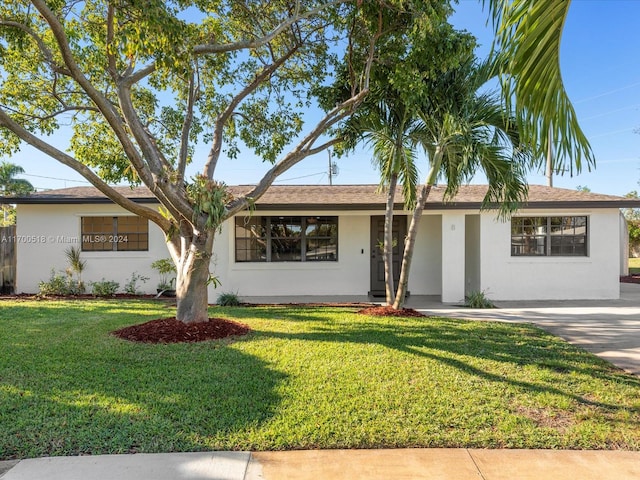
325,240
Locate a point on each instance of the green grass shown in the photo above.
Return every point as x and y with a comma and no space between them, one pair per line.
634,265
305,378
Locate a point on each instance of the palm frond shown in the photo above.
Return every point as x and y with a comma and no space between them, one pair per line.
529,34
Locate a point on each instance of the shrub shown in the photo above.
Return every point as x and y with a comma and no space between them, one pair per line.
228,300
131,287
104,288
478,300
58,284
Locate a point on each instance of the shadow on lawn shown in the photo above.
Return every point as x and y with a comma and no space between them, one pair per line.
135,398
450,340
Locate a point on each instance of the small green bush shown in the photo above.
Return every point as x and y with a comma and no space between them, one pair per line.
478,300
228,300
104,288
58,284
131,287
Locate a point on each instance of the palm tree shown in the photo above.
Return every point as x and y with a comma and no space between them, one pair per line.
10,186
466,131
528,37
392,130
389,121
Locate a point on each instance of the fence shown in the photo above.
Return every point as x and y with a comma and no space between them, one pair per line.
7,259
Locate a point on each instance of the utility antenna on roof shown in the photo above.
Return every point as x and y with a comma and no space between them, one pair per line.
333,169
549,169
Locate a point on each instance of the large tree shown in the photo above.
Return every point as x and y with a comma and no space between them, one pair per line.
140,82
466,131
393,131
389,122
528,38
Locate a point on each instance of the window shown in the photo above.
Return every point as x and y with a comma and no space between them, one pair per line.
549,236
106,234
286,239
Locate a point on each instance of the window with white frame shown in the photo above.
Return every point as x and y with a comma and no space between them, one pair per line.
549,236
286,239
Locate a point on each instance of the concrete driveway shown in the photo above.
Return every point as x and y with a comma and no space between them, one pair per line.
607,328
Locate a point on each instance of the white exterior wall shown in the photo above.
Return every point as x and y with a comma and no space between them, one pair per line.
425,277
472,252
595,276
44,232
440,266
453,257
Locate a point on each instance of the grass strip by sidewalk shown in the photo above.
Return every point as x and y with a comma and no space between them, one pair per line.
305,378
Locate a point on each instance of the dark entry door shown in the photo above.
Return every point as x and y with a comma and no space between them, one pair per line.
377,260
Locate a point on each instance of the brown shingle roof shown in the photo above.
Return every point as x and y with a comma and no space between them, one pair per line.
347,197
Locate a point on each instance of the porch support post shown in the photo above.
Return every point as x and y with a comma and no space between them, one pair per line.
453,257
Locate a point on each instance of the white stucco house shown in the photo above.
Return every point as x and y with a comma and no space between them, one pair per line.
324,240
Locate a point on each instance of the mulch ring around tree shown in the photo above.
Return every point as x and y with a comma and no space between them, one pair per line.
388,311
170,330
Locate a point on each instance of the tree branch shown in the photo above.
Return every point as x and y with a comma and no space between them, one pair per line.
74,108
158,165
303,150
261,41
46,52
305,147
101,102
186,127
216,148
86,172
130,77
111,59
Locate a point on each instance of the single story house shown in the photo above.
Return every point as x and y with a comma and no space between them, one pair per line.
325,240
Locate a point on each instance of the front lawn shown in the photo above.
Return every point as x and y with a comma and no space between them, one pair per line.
304,378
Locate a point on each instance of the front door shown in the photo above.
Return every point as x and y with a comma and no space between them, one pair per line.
377,258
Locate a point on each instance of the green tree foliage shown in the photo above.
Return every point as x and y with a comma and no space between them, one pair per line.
461,129
11,186
389,120
141,82
466,131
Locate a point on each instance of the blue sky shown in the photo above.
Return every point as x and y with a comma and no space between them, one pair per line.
601,71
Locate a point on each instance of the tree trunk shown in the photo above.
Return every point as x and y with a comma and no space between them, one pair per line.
388,241
192,280
410,242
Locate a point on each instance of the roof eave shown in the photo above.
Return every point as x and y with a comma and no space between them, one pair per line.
69,200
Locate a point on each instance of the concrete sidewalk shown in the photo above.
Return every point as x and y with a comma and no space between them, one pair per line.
414,464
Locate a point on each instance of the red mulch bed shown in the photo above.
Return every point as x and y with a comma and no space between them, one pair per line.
630,279
387,311
170,330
